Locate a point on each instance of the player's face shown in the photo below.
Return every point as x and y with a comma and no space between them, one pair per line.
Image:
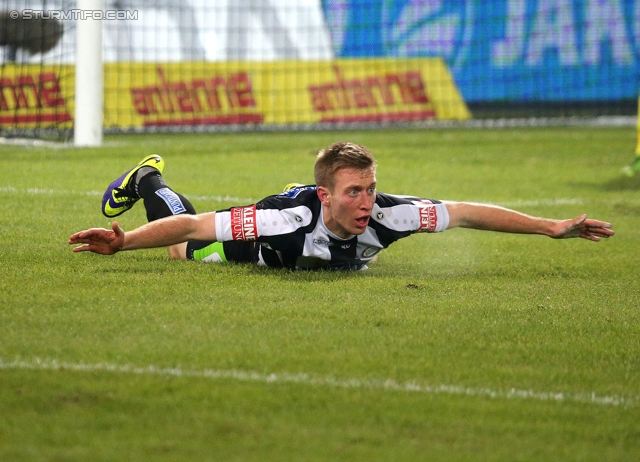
348,205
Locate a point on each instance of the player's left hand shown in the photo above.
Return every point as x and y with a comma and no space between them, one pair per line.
593,230
99,240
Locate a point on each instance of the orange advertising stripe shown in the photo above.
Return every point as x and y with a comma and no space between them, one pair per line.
34,118
231,119
411,116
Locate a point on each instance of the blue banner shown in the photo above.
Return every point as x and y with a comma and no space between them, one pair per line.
504,50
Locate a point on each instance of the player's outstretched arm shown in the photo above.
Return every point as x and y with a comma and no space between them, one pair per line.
494,218
159,233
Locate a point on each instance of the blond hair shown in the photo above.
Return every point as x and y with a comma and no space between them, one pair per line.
339,156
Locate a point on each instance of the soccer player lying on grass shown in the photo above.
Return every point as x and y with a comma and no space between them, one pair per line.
340,223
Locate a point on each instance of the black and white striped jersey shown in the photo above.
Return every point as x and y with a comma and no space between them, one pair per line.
291,226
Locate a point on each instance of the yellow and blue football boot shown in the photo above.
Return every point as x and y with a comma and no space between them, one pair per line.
120,196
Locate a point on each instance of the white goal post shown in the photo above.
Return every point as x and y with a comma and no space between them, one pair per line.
89,77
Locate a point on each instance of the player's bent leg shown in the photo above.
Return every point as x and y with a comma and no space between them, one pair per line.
205,251
233,251
160,200
178,251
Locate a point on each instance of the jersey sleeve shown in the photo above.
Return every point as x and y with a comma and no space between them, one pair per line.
434,216
264,221
409,214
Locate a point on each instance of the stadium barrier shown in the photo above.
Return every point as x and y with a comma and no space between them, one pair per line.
148,95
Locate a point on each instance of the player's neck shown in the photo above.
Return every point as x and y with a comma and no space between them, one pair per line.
332,225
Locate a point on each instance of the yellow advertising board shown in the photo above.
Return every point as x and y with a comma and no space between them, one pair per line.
36,96
201,93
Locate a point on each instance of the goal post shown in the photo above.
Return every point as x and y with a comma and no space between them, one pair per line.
89,77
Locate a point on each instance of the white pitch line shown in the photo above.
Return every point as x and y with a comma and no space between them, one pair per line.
61,192
539,202
327,381
225,198
236,200
249,200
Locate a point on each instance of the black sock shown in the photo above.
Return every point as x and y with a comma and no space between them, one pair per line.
160,200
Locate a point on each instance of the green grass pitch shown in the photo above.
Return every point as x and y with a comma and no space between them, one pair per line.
460,346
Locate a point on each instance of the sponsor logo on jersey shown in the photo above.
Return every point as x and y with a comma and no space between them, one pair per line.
370,252
243,223
172,200
379,215
292,193
321,242
428,219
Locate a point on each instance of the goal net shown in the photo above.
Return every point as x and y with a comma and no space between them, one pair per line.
34,58
200,65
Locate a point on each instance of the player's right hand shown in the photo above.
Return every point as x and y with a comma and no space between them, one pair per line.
99,240
592,230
